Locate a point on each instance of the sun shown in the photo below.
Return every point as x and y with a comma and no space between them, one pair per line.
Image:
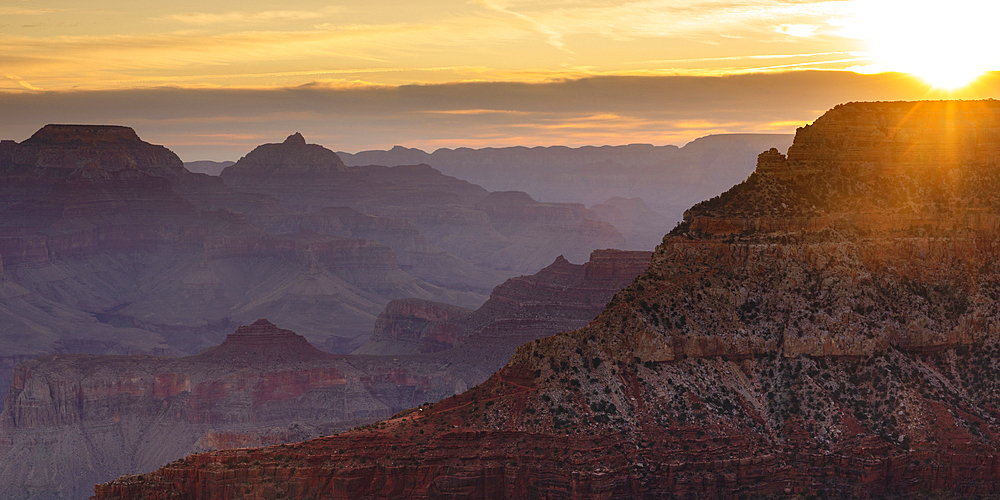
947,44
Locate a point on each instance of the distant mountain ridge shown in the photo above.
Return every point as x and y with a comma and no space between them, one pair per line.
593,174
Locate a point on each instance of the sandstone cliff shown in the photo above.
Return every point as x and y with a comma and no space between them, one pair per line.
826,328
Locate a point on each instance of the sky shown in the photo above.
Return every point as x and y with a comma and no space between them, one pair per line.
211,80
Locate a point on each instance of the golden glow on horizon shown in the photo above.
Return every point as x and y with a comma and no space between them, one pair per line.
947,44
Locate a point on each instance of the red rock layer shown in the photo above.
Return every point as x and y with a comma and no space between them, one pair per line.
417,326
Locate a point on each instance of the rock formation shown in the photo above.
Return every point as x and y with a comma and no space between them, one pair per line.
561,297
825,328
412,326
110,246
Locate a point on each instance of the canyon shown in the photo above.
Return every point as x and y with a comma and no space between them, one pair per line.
826,327
110,245
73,420
122,272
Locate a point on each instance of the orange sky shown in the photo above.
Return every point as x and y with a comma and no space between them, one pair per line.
62,56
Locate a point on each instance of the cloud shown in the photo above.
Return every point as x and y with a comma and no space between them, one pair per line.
552,37
235,17
799,30
15,11
21,82
598,110
455,41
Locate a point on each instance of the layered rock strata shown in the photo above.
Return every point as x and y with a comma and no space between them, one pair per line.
825,328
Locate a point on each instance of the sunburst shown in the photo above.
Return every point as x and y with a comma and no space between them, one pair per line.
947,44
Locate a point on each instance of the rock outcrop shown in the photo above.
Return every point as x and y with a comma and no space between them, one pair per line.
561,297
825,328
411,326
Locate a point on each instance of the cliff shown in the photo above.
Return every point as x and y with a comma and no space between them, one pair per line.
560,297
411,326
796,336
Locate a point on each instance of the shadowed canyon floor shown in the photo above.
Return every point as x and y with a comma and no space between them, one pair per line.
827,327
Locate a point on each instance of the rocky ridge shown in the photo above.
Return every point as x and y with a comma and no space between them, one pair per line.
826,328
560,297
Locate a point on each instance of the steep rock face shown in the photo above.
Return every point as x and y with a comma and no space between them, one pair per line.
561,297
871,167
73,420
93,210
267,385
766,351
410,326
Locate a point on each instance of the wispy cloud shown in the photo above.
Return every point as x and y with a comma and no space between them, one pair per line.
552,37
236,17
20,81
16,11
476,112
455,40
